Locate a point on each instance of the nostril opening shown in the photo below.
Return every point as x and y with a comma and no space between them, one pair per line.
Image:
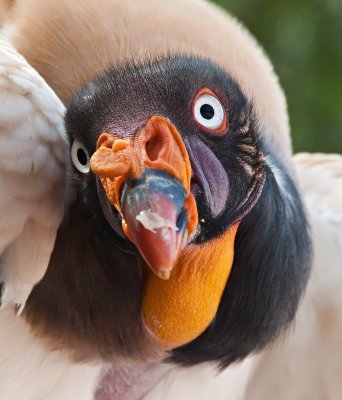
182,220
104,140
154,146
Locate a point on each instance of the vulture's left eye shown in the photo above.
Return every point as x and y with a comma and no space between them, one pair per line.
80,157
209,112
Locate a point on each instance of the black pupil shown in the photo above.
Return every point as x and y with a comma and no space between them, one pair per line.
82,157
207,111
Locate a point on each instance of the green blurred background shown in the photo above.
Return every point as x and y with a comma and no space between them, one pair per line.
303,38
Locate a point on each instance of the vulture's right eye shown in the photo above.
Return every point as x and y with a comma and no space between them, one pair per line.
80,157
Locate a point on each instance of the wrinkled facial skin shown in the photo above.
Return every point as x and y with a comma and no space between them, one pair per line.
236,177
227,168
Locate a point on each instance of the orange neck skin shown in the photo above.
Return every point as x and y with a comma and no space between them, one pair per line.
178,310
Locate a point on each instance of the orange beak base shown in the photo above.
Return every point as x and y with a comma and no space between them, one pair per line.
147,179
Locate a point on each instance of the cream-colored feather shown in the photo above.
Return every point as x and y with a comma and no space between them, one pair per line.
29,372
32,174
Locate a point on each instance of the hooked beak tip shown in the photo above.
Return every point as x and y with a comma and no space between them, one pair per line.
164,273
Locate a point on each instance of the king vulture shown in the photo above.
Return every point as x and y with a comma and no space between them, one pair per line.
163,225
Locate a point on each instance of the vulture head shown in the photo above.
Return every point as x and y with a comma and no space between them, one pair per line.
186,238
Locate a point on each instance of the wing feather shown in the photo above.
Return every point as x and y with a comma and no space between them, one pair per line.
32,174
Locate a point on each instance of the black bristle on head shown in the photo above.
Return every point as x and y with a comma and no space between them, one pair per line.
127,94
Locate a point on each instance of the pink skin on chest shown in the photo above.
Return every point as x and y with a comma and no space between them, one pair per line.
129,383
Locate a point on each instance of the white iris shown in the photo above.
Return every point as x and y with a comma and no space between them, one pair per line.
208,111
80,157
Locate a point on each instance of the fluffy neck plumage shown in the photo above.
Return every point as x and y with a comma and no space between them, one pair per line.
89,301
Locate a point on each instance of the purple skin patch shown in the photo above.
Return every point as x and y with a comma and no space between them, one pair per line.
209,173
129,383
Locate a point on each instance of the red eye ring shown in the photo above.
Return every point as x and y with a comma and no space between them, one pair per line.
212,118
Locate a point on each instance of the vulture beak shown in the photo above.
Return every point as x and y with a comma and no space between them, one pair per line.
147,179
